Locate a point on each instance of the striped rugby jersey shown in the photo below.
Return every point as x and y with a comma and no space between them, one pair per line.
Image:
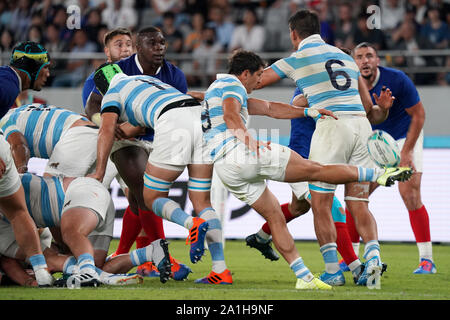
139,99
42,126
218,141
326,75
44,198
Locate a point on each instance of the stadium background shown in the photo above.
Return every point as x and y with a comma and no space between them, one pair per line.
72,32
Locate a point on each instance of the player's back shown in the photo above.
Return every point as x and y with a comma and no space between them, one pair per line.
140,99
44,198
42,126
214,125
327,76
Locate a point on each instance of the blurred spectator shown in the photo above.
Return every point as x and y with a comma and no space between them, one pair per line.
345,26
6,44
5,13
223,27
21,19
116,15
420,9
175,6
59,18
205,63
174,37
406,38
326,31
35,34
52,42
392,13
436,30
76,69
194,6
93,25
249,36
194,37
364,34
37,19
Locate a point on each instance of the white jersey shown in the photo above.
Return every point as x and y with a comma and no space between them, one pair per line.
44,198
42,126
326,75
218,140
140,99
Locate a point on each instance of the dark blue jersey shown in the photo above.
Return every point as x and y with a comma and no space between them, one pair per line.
302,130
168,73
406,96
9,89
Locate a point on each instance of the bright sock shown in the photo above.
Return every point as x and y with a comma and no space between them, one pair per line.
420,224
131,226
152,253
300,270
344,244
369,174
171,211
37,261
86,263
329,253
262,237
214,239
152,225
70,265
287,215
371,249
142,241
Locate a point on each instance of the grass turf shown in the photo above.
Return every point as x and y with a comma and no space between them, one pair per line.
256,278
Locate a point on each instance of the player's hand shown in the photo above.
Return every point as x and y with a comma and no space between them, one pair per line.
385,100
406,159
96,176
319,113
258,146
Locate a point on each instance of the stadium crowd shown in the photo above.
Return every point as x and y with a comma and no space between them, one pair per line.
204,28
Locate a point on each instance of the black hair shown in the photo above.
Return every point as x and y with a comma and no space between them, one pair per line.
242,60
305,23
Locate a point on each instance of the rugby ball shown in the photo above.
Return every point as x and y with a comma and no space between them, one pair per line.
383,149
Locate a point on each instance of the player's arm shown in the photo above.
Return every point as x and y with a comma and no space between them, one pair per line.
198,95
269,77
14,270
233,120
379,112
93,105
19,150
104,143
417,113
279,110
126,130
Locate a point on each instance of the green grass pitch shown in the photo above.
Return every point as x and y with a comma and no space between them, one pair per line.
256,278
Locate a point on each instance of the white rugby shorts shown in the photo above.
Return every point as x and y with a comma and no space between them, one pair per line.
178,139
10,180
342,141
417,151
244,174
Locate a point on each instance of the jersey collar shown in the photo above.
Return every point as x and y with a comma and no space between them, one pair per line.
138,64
311,39
377,78
18,77
226,75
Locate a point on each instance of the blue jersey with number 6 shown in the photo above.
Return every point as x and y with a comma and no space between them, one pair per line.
327,76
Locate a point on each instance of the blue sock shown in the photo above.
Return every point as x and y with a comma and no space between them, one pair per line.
368,174
37,261
371,249
69,265
171,211
139,256
329,253
300,270
86,263
214,239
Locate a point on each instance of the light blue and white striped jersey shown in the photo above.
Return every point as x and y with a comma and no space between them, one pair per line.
42,126
139,99
44,198
218,141
326,75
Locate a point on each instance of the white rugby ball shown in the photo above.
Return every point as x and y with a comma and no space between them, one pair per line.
383,149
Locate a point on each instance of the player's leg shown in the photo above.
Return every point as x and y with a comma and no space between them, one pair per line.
219,196
420,223
199,186
268,206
